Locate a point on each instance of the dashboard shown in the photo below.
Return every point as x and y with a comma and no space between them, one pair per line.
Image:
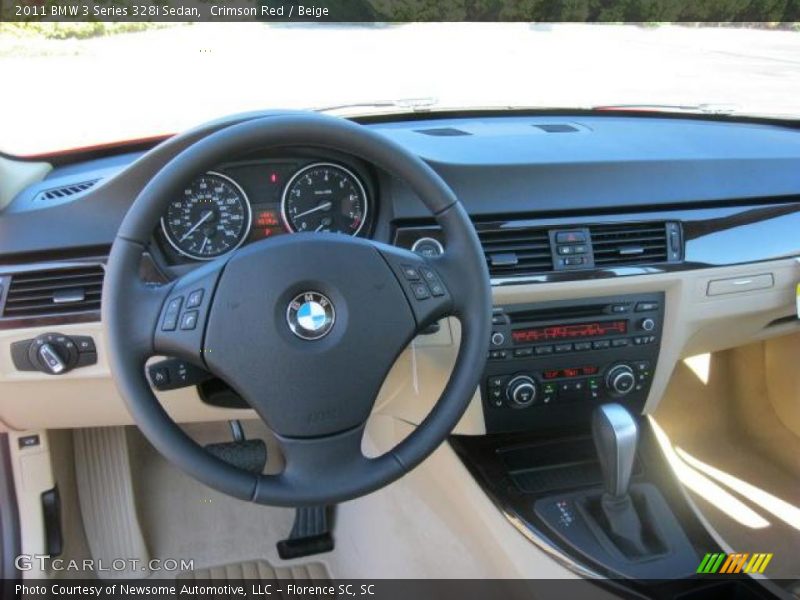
578,215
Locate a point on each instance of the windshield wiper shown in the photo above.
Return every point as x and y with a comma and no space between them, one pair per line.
712,109
409,104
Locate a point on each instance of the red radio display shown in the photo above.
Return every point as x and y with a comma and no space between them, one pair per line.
573,372
569,332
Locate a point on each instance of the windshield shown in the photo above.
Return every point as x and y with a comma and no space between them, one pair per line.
72,86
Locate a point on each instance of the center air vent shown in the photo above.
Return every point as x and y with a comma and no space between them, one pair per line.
54,291
516,251
632,243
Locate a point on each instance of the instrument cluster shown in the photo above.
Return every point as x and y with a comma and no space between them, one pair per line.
247,201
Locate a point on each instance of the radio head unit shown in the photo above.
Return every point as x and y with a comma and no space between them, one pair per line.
550,363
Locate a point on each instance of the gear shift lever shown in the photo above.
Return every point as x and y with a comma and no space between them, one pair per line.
615,436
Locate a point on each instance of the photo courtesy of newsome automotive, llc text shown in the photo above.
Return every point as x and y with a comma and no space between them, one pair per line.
400,299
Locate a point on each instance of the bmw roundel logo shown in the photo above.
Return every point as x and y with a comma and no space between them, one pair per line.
310,315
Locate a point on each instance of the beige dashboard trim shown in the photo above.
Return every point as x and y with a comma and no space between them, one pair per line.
694,323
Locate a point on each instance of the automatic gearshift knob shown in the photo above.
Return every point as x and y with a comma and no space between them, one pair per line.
615,436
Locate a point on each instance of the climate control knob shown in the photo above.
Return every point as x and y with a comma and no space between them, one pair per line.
521,391
620,379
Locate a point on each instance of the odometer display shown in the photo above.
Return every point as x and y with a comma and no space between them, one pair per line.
324,197
211,218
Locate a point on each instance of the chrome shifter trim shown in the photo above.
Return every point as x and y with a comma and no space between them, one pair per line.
615,435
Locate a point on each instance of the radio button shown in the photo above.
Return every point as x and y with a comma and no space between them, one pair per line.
583,346
497,354
499,319
540,350
522,352
619,343
563,348
646,306
601,344
619,308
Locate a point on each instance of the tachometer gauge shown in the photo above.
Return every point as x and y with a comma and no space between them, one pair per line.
324,197
211,218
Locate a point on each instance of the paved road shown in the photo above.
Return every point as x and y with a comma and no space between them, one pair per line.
66,93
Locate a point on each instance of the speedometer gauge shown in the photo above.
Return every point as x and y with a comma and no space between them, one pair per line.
211,218
324,197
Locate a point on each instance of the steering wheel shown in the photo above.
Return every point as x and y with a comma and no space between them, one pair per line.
304,327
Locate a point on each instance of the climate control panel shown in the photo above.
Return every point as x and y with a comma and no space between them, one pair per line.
550,363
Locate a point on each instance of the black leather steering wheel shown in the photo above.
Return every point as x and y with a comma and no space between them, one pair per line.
304,327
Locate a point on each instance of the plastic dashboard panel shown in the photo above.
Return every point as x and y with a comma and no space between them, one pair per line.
721,179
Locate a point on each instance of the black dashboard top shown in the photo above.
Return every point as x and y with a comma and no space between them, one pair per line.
501,168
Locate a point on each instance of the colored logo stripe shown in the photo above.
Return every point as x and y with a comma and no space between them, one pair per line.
736,562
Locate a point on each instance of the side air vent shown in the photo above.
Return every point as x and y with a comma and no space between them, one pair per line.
65,191
556,127
516,251
631,243
55,291
443,131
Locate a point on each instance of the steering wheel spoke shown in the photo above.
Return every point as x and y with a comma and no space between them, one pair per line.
333,462
423,284
185,310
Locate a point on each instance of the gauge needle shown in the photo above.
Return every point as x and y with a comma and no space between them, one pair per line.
323,206
321,225
203,245
206,216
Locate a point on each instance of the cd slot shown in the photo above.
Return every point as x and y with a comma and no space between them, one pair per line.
559,313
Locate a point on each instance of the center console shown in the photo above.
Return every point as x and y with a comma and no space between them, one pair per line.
549,364
568,457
